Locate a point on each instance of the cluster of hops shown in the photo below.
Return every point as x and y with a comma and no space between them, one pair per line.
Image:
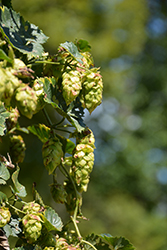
91,95
31,207
20,69
32,226
13,118
71,84
83,159
17,148
58,193
8,85
5,216
52,153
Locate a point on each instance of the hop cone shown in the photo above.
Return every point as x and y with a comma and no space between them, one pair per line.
71,83
8,85
71,197
39,91
83,159
26,100
87,59
17,148
32,225
4,216
12,120
91,95
52,153
31,207
58,193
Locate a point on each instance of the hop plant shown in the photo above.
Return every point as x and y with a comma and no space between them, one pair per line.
17,148
32,226
58,193
5,216
52,153
71,83
8,85
26,100
31,207
91,95
83,159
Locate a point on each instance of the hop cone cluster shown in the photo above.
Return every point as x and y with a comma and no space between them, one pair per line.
83,159
52,153
17,148
8,84
32,226
31,207
71,83
58,193
5,216
91,95
26,100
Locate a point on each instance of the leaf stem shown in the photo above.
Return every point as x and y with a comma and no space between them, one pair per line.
88,243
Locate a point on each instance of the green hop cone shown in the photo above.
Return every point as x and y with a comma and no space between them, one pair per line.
71,197
31,207
8,85
5,216
87,59
32,226
58,193
26,100
39,91
17,148
13,118
52,153
83,159
91,95
71,84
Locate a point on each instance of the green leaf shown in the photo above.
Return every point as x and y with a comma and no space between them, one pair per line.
83,45
51,220
12,228
3,197
3,56
117,242
37,197
19,188
4,172
73,50
22,35
40,130
3,115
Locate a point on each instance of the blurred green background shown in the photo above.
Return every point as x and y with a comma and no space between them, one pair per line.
127,194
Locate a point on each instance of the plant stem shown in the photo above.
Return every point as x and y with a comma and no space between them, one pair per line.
47,116
88,243
15,208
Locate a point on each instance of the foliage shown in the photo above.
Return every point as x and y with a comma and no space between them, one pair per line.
30,80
